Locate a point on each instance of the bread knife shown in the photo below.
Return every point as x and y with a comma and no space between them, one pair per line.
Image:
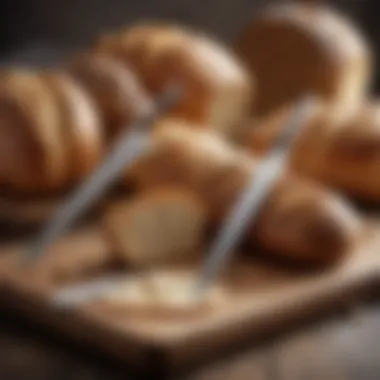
247,208
131,144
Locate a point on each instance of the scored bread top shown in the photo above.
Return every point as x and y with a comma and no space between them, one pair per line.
36,158
81,127
143,47
114,87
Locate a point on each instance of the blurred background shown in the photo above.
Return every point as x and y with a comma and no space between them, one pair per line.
42,31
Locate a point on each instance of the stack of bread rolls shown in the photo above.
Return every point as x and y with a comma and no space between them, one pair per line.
56,126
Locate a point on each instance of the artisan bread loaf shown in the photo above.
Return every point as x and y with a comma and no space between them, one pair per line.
33,155
217,88
298,48
160,226
80,124
342,154
144,47
202,162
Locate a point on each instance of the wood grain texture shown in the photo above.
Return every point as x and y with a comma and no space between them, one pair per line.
266,300
346,345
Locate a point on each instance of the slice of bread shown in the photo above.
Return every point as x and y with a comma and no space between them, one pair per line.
157,227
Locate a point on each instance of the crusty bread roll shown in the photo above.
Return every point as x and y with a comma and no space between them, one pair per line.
80,125
344,155
157,227
168,292
33,155
297,48
114,87
143,47
300,220
217,87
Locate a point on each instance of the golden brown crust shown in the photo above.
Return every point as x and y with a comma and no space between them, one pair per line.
203,163
350,160
342,153
305,218
38,161
296,48
115,89
144,47
217,88
80,123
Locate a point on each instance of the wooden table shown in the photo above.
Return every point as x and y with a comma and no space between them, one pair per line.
345,347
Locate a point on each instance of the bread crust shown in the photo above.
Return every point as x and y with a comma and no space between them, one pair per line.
38,158
342,154
205,164
80,123
217,88
296,48
114,87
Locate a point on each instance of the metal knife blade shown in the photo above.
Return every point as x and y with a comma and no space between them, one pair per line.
72,296
131,144
249,204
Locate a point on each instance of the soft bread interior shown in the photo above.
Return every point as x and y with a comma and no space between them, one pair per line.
157,227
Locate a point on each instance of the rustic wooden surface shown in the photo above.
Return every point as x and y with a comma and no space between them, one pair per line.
346,347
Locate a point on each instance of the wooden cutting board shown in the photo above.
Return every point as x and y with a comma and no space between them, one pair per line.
262,299
32,211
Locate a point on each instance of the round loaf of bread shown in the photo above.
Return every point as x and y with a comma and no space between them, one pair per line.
304,217
341,153
34,157
350,157
157,227
143,47
297,48
80,124
217,88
